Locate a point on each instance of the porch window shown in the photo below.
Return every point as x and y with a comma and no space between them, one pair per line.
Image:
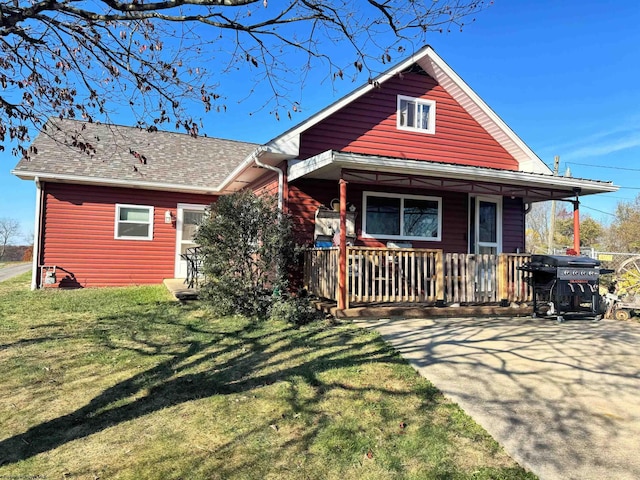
134,222
416,114
392,216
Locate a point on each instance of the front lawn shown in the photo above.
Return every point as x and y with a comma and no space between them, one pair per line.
126,383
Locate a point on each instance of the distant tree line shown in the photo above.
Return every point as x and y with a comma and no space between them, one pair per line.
621,235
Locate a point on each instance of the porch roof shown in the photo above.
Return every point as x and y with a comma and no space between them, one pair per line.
399,172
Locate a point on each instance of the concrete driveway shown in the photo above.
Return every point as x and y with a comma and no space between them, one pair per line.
13,270
563,399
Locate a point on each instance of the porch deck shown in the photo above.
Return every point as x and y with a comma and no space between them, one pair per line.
180,290
418,310
419,277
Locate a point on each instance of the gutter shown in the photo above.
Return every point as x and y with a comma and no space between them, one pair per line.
36,235
279,171
111,182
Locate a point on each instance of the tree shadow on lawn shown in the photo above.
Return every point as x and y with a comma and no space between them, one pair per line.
225,362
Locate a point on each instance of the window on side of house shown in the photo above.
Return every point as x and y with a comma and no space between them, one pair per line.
410,217
134,222
416,114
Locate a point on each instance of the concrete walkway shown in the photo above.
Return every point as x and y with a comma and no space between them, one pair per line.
563,399
14,270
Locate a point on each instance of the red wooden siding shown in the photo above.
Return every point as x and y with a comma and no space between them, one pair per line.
305,196
368,126
78,235
513,225
267,185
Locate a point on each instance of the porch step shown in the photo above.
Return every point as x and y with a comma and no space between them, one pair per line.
421,311
179,289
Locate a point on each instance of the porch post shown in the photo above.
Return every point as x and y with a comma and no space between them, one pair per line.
576,222
342,258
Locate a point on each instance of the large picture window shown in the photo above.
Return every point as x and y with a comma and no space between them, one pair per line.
416,114
411,217
134,222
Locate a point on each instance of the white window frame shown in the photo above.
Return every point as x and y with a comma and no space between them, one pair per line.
431,121
402,197
488,199
118,221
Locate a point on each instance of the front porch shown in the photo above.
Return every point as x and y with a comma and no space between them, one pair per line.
412,277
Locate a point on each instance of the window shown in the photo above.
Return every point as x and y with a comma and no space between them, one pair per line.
416,114
134,222
411,217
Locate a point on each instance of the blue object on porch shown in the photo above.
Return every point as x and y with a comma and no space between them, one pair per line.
324,244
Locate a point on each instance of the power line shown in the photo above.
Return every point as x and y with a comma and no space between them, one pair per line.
603,166
596,210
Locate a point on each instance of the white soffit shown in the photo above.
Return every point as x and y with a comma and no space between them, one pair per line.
339,160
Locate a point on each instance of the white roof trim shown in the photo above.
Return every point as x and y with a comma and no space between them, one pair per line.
289,142
112,182
448,171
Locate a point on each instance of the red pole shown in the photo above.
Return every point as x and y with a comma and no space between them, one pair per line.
576,225
342,258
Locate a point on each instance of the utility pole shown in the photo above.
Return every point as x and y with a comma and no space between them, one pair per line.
552,225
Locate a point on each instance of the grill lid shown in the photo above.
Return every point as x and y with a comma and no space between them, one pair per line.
563,261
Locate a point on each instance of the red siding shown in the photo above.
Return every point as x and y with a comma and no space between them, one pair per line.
306,195
368,126
78,235
513,225
266,185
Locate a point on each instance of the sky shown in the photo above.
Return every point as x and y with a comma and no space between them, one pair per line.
564,75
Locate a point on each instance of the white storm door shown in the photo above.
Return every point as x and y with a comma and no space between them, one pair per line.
488,222
188,218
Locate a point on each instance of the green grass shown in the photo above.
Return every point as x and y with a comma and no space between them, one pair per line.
126,383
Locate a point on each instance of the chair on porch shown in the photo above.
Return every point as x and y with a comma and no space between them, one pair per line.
193,257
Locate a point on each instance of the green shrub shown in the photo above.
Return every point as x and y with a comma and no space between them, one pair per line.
295,310
248,251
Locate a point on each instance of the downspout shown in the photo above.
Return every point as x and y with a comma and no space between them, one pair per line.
273,169
36,236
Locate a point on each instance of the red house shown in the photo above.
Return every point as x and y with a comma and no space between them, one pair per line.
414,160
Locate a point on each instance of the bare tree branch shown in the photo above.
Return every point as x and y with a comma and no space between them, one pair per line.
78,59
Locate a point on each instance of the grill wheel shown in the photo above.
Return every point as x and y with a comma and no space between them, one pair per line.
622,314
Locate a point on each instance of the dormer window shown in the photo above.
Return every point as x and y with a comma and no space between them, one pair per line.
416,114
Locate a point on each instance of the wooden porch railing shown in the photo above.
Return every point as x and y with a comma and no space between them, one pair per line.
418,275
394,275
321,272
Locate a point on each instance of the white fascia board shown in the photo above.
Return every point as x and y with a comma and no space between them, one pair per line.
112,182
299,169
250,161
418,167
482,113
246,163
289,141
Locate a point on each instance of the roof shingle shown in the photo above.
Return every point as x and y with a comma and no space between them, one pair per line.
133,155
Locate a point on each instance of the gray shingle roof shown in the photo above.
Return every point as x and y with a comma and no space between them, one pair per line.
130,154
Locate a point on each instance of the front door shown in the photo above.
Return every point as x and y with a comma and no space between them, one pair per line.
187,220
486,225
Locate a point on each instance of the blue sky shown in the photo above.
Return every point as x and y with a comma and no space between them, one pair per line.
564,75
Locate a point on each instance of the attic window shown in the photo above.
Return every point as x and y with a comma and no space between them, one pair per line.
416,114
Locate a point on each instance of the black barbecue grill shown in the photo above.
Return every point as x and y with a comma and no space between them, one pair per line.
564,284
